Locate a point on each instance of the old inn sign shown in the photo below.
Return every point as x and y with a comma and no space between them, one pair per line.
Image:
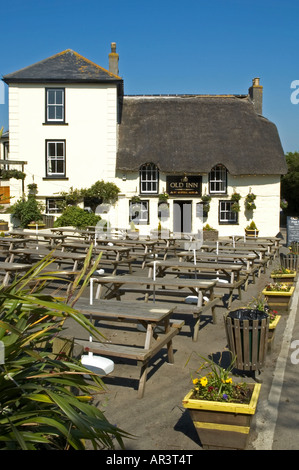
183,185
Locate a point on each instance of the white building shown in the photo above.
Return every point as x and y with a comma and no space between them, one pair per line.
70,120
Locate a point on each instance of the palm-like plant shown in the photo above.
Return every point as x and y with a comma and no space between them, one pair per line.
45,399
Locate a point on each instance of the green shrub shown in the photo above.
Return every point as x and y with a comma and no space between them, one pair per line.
76,217
27,210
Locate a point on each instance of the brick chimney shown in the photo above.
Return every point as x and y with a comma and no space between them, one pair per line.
256,95
113,59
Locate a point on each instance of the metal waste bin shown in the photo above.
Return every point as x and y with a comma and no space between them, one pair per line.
247,333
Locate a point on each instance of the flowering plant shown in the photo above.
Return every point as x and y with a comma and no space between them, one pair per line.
283,270
217,385
278,286
272,315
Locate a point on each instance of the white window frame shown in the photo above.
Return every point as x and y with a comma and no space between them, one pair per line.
218,180
56,158
139,212
226,215
55,105
149,179
55,209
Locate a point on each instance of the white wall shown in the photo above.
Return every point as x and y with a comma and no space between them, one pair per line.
91,115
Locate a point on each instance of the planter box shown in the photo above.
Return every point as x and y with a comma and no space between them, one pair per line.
210,235
222,425
251,233
3,226
278,300
33,226
284,277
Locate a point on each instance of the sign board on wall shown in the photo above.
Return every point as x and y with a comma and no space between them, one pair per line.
183,185
292,229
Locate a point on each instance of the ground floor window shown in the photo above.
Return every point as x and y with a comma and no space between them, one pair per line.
139,212
54,205
226,214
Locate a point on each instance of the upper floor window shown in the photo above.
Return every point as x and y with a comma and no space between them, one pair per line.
218,180
55,158
55,104
149,179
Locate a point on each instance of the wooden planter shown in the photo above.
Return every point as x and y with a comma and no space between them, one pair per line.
3,226
210,235
272,330
222,425
284,277
251,233
33,226
278,300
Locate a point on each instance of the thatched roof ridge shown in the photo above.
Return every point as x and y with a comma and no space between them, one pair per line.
192,133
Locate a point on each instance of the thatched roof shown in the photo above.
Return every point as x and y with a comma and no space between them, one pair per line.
191,134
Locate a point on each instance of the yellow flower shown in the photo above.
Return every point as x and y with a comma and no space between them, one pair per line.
195,381
203,381
229,381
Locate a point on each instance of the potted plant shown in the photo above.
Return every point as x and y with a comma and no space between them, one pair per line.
163,197
261,303
206,199
36,224
220,408
209,233
278,294
281,274
249,201
251,230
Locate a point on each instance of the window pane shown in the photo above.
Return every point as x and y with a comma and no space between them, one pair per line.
51,96
51,149
58,112
59,97
51,112
60,150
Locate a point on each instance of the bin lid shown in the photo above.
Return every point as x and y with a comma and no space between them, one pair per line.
247,314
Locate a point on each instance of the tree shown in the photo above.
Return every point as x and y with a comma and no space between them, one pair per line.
290,183
27,210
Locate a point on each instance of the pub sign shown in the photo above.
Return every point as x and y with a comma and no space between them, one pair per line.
183,185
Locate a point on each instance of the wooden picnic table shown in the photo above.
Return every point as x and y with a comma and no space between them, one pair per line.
172,287
258,250
121,254
227,276
12,242
30,254
149,316
244,258
12,268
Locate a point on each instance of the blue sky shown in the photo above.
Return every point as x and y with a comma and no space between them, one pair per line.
168,46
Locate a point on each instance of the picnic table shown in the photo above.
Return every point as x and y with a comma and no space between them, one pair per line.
171,287
30,254
227,276
12,268
121,254
149,316
246,259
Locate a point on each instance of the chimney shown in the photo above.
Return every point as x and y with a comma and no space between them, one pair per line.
256,95
113,59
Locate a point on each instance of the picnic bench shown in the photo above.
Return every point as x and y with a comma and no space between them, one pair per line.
227,276
170,287
8,268
150,316
60,257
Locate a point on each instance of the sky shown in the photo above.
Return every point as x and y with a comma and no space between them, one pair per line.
168,47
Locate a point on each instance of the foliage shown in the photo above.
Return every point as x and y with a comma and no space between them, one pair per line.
249,201
235,207
76,217
251,226
217,384
99,192
27,210
282,270
290,184
207,227
235,196
45,399
294,248
206,199
163,197
261,303
7,174
278,287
